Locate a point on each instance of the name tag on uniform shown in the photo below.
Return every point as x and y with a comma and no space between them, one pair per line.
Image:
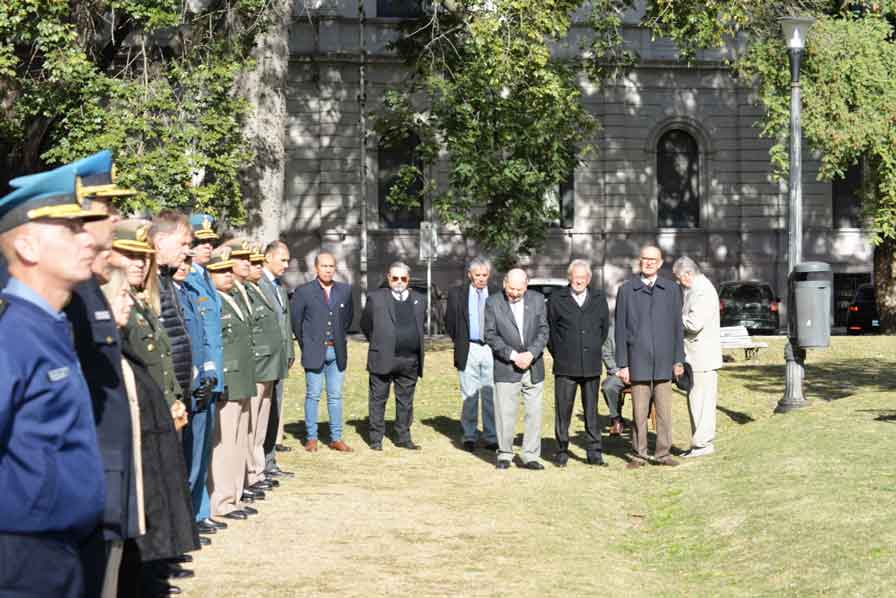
201,299
102,315
58,374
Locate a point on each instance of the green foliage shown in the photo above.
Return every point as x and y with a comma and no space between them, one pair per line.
510,118
146,78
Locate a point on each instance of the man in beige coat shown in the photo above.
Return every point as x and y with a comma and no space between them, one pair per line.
703,351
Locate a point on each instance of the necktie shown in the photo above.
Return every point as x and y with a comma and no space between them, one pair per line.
327,294
277,286
480,309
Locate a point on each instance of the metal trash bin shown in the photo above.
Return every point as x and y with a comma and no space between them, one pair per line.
812,287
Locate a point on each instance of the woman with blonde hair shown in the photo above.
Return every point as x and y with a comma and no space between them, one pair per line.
170,531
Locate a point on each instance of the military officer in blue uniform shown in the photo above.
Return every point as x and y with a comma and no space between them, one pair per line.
98,345
198,436
51,472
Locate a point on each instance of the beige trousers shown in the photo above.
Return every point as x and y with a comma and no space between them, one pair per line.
702,406
227,472
661,390
259,414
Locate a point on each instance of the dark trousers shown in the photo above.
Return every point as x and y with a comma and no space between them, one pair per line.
270,438
40,566
404,377
197,452
564,399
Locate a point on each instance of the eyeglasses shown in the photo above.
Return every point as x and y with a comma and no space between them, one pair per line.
397,278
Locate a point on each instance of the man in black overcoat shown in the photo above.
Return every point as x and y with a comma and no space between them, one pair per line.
579,320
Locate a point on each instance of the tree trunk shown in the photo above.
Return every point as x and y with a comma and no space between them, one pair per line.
265,127
885,283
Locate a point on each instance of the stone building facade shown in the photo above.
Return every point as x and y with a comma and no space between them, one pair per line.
679,163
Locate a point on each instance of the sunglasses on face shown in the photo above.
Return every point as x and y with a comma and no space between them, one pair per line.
397,278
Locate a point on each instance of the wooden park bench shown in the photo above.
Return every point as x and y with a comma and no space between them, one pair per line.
737,337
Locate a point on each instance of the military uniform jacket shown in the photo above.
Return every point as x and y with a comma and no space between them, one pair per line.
195,330
99,350
148,339
272,292
51,473
208,305
236,336
267,337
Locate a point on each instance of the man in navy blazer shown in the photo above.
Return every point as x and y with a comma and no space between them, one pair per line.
322,312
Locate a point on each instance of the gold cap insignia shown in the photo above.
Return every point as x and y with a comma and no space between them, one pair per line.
141,234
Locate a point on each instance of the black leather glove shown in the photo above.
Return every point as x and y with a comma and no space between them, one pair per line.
203,394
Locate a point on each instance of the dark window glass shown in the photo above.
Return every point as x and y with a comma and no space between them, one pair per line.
749,293
846,198
564,199
390,160
865,294
678,180
401,9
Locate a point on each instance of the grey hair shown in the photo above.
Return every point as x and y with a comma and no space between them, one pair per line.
579,263
399,266
480,261
685,264
512,270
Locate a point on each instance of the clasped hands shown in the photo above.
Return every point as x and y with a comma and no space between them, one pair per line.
523,360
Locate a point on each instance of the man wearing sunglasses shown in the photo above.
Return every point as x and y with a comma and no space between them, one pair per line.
393,323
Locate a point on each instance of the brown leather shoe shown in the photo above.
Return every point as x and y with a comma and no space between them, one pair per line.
338,445
667,461
616,427
311,445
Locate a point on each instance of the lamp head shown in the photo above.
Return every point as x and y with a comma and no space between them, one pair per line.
795,30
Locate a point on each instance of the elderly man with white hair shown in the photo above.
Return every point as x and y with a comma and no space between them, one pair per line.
703,351
516,328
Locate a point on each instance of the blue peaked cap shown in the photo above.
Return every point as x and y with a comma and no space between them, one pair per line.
95,169
49,194
203,227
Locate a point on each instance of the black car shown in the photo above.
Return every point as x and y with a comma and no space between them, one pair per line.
751,304
862,315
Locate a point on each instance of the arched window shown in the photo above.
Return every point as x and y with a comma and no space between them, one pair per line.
389,161
678,180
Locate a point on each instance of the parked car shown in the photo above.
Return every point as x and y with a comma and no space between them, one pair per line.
862,315
546,286
751,304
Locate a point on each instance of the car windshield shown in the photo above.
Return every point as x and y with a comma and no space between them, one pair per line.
747,293
865,293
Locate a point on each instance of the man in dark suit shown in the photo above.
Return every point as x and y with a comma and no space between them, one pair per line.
516,328
465,320
650,351
579,319
393,324
322,311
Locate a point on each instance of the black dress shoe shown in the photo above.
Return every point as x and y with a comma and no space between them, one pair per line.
249,511
560,459
265,485
255,494
203,541
209,522
409,444
238,515
178,573
282,448
206,528
502,464
469,446
376,446
169,590
247,498
533,465
274,483
276,472
184,558
492,446
597,459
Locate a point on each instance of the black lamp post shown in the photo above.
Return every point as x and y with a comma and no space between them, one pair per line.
795,30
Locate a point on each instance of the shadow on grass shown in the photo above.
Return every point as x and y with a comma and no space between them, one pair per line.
884,415
828,381
737,417
298,431
450,429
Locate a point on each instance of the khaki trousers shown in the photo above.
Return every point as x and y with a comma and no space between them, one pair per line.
507,401
661,390
259,414
702,406
227,472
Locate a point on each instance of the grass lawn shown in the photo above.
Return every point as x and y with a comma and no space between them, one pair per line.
790,505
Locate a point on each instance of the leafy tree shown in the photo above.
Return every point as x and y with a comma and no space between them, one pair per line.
849,94
151,79
485,89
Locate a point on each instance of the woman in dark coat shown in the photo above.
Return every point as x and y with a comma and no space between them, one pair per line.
170,529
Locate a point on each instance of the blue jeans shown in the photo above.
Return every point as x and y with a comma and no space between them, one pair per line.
314,385
477,384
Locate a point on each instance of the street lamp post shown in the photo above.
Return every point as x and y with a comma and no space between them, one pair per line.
795,30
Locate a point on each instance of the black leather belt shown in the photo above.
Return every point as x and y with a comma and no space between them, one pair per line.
480,343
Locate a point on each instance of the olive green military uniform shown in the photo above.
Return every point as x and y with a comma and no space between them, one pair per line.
270,361
148,339
228,464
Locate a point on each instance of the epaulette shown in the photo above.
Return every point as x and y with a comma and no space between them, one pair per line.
3,305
